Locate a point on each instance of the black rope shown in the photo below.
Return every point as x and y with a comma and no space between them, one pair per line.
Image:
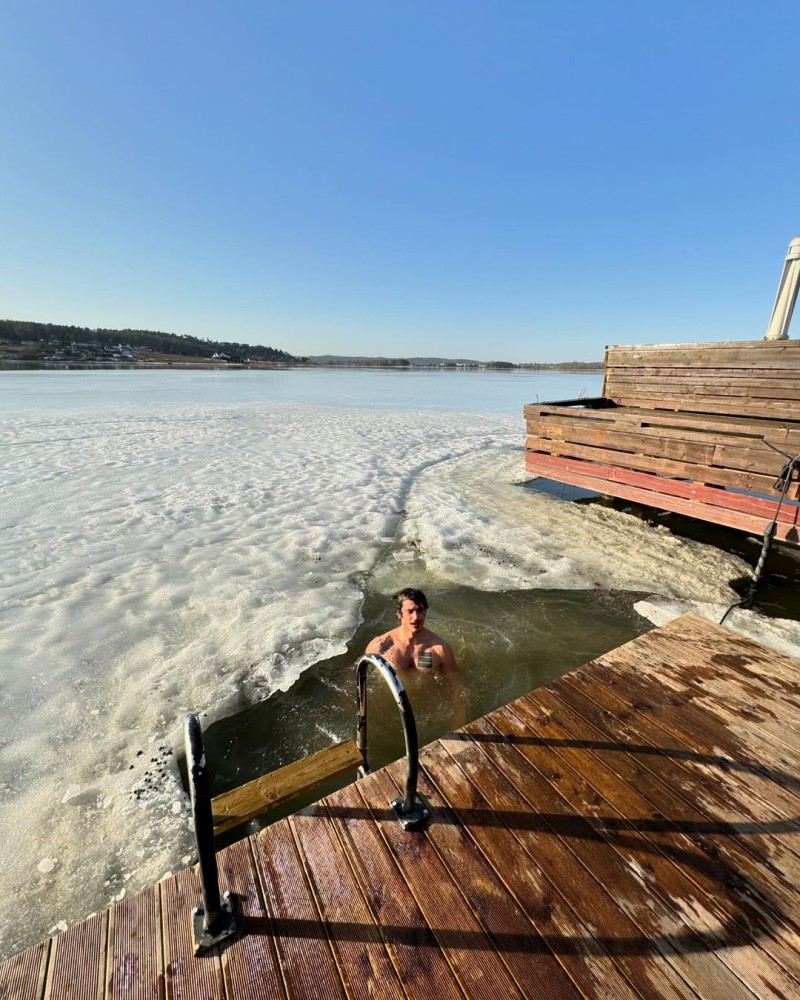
782,483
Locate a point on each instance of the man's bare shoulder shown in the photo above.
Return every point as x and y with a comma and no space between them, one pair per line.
445,651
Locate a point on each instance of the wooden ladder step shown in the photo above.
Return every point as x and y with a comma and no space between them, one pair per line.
241,804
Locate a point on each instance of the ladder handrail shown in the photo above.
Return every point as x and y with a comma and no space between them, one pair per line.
411,809
214,920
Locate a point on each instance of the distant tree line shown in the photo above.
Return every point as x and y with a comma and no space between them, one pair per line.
330,362
565,366
14,331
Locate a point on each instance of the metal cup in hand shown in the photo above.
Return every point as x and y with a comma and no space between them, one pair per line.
425,659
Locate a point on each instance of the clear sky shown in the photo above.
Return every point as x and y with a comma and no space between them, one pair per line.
525,181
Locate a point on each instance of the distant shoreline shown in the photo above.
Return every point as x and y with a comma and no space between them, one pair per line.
202,365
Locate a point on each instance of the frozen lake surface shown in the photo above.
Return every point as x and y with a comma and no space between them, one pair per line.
180,540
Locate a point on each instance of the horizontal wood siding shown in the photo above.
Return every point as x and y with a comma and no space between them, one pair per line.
723,415
733,510
759,377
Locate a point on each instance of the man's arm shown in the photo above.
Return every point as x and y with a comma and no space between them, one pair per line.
449,664
457,688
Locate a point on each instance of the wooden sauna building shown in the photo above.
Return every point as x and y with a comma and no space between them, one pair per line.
704,430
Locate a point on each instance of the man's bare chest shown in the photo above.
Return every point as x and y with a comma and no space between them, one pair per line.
409,655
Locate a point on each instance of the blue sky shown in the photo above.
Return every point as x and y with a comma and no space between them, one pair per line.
495,180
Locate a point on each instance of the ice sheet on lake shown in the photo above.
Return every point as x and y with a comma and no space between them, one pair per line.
471,523
197,557
163,560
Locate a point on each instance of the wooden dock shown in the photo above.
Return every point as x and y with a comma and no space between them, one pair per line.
631,830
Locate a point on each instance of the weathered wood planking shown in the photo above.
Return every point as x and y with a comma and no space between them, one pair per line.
23,976
135,953
707,404
724,454
426,965
721,415
658,464
720,507
593,477
775,431
711,378
186,975
630,831
686,444
711,386
745,355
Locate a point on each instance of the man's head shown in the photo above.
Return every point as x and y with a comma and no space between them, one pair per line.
411,606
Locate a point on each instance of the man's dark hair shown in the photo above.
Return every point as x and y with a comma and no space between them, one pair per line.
410,594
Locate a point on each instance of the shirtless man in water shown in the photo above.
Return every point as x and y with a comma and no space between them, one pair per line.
414,649
411,645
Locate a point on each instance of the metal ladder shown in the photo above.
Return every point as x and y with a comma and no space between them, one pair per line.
215,920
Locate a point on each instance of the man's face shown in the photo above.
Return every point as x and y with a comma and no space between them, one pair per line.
412,615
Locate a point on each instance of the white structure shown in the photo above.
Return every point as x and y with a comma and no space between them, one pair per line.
778,328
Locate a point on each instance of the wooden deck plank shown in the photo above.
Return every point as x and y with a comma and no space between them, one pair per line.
361,954
696,398
249,962
642,426
600,435
619,430
763,507
751,355
748,376
76,969
546,878
186,976
736,871
704,809
712,725
753,799
748,696
714,718
447,914
756,408
308,965
525,951
714,382
678,454
662,909
135,956
769,673
747,912
640,936
657,464
237,806
421,962
22,977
